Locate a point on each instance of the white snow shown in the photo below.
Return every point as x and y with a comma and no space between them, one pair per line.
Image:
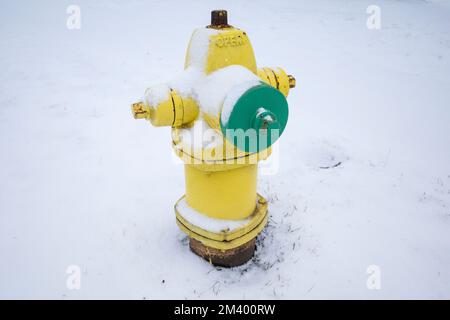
207,223
184,82
212,91
83,183
199,45
156,94
233,96
200,136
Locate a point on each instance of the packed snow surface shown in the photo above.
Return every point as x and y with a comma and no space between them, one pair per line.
362,177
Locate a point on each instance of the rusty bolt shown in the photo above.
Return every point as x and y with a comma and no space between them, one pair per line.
291,80
262,200
219,19
140,111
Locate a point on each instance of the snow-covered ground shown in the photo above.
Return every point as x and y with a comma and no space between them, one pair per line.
85,184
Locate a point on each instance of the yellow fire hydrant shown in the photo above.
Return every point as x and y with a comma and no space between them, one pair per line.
225,114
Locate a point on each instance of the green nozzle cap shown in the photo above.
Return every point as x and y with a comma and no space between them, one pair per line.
257,119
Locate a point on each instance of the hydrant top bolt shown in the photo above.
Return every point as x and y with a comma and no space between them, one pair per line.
219,19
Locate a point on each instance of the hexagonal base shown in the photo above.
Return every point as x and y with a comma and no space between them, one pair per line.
224,258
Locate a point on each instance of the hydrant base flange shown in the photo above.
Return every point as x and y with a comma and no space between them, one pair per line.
225,239
227,248
224,258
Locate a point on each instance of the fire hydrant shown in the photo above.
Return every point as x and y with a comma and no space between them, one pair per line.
225,114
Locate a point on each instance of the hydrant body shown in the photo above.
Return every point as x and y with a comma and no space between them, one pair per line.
225,115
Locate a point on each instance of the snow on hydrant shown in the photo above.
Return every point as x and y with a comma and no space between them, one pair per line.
225,114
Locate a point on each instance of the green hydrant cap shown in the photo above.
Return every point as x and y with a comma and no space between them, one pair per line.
257,119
